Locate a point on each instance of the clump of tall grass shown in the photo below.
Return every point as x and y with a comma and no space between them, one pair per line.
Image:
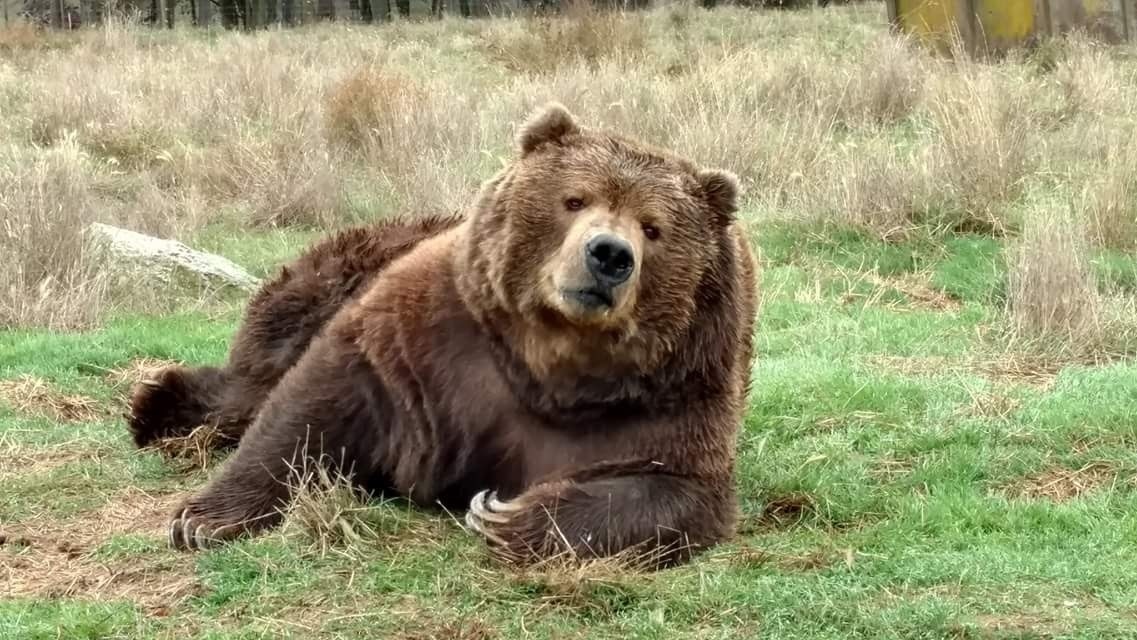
1054,304
582,34
48,277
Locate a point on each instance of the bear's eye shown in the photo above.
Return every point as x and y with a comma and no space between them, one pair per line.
574,204
651,232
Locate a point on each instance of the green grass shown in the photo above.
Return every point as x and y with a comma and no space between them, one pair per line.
892,486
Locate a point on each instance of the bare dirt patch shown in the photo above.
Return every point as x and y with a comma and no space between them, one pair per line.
600,588
1021,369
35,396
915,287
473,630
17,460
1048,620
44,558
1059,484
816,559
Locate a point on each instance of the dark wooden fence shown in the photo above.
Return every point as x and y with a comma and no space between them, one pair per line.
252,14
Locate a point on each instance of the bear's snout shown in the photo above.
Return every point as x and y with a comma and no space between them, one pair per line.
592,279
610,259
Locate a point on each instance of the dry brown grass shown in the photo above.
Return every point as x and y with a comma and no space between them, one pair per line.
56,558
26,37
887,85
781,512
195,451
45,200
21,460
1059,484
125,377
876,186
583,34
869,288
331,516
984,149
597,587
370,109
1111,197
1006,368
823,114
1026,368
1052,291
751,557
33,396
288,181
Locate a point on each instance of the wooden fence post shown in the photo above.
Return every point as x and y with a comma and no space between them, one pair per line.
204,12
1126,27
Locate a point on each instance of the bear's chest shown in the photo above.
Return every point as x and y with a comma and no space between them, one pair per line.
487,434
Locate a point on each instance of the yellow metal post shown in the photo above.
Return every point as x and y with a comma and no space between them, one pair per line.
1004,23
935,22
999,24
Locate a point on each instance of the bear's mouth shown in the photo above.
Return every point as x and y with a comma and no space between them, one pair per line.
591,298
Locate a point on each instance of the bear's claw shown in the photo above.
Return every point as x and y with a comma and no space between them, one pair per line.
187,533
486,511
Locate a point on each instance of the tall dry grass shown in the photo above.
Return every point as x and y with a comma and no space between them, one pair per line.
1052,291
1055,305
582,34
825,115
48,278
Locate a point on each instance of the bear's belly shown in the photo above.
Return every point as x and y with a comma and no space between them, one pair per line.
508,450
471,433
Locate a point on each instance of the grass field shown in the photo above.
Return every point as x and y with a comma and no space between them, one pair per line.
942,435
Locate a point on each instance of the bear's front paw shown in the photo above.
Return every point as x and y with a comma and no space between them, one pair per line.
488,515
524,530
191,530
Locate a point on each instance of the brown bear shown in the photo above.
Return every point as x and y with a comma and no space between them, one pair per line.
569,360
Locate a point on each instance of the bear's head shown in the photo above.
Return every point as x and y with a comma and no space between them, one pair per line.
590,251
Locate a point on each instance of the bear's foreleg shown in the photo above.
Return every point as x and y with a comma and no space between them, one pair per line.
654,520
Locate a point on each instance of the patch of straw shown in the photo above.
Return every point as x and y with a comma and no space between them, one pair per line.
34,396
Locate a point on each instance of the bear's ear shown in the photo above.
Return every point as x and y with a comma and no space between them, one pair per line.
549,124
720,188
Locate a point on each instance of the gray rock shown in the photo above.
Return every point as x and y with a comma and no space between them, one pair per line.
161,259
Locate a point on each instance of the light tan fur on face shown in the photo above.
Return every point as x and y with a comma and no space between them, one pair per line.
567,270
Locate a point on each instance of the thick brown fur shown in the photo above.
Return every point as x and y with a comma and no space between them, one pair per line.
601,420
279,324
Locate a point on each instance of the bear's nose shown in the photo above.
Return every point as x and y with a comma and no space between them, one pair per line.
610,259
